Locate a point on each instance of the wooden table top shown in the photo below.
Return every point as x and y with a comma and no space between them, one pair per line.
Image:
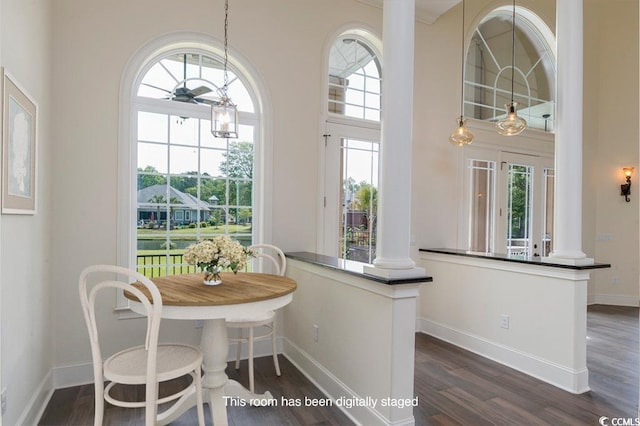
243,287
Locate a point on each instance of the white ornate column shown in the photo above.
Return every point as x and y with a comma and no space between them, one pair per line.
567,230
393,254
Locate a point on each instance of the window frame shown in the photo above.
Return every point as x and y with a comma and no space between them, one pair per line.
373,50
133,74
329,159
536,29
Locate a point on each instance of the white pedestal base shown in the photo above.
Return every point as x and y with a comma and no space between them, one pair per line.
390,274
585,261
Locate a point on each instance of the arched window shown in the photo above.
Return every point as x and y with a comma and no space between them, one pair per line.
488,68
189,185
354,79
352,139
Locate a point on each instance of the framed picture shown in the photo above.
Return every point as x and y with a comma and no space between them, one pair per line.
19,149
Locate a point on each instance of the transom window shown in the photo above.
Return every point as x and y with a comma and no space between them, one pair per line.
488,69
189,184
354,79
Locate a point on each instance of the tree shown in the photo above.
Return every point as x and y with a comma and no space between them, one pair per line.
520,193
350,188
158,200
244,215
367,201
172,202
238,161
183,183
148,177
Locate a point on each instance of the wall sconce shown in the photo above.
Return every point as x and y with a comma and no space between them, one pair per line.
625,188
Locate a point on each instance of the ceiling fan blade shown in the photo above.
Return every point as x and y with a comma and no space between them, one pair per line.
199,91
205,101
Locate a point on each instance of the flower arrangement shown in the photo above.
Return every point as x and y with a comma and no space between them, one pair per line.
214,256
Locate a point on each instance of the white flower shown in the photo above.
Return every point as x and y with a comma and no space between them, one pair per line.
222,251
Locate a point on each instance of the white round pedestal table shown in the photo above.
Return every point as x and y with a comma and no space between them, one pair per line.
186,297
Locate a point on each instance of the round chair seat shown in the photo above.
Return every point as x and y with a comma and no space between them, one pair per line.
173,360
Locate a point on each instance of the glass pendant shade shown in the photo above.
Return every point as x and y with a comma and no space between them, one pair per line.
511,125
461,136
224,119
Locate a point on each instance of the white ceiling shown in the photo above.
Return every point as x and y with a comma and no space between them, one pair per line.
427,11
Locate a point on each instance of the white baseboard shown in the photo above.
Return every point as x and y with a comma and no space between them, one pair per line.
574,381
614,299
38,402
334,388
72,375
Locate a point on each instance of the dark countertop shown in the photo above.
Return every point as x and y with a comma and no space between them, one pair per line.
350,267
503,257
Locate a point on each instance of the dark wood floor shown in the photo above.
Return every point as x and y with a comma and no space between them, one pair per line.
454,387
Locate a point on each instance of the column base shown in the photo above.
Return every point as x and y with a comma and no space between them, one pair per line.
390,274
568,260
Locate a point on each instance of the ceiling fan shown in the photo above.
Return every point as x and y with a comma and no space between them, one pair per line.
183,93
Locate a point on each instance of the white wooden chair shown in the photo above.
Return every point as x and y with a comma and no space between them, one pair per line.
273,255
149,364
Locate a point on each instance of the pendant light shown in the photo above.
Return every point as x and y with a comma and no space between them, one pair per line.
224,114
461,136
512,125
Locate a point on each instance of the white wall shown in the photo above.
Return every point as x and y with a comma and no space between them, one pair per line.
611,143
26,281
545,335
365,340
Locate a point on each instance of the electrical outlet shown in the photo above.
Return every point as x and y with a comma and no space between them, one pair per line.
316,332
615,281
504,321
198,323
3,400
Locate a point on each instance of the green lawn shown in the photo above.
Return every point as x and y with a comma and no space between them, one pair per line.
206,231
158,252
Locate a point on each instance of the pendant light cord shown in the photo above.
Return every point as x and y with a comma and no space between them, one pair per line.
462,66
226,45
513,47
